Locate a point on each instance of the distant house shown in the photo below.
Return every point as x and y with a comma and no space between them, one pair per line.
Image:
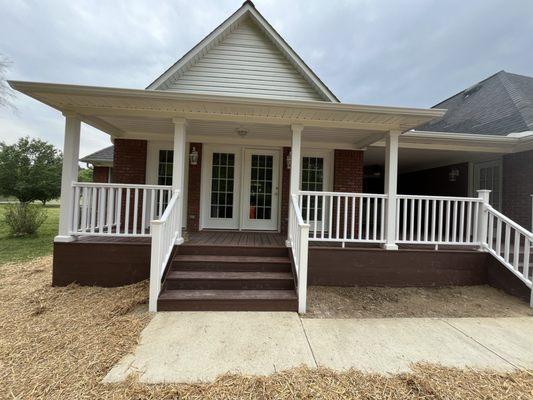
238,178
102,163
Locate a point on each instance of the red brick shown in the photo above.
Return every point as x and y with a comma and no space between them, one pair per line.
517,187
101,174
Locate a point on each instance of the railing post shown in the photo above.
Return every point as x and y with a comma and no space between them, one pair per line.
483,220
302,273
296,144
155,265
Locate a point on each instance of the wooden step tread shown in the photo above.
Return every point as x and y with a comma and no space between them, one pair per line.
230,259
227,275
217,295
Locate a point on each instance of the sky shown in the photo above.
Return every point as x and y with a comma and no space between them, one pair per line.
412,53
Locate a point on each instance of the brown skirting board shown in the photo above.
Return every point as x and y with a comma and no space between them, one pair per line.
121,262
101,263
404,267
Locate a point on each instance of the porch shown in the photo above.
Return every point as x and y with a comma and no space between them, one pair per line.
189,162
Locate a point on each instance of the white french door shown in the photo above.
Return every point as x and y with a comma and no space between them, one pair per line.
240,188
260,197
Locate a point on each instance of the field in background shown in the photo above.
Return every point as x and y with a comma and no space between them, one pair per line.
26,248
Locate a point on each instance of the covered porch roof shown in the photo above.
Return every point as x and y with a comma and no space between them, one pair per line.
148,114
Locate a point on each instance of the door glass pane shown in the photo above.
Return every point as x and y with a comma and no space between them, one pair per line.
164,177
222,185
313,180
261,187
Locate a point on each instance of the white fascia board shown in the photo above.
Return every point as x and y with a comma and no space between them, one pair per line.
33,89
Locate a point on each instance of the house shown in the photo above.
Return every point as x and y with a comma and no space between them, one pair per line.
102,163
238,180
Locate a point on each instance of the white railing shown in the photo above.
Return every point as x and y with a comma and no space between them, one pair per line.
510,244
344,217
437,220
298,238
166,232
113,209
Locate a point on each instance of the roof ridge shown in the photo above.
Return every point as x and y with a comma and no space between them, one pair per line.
517,96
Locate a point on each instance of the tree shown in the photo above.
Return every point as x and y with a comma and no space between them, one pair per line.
85,175
5,91
30,170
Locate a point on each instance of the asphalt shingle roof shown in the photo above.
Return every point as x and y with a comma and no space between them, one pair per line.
498,105
104,155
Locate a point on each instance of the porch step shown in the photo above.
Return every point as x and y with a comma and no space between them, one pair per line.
228,300
193,262
232,278
186,249
223,280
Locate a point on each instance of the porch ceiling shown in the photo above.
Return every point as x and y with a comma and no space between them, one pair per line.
122,112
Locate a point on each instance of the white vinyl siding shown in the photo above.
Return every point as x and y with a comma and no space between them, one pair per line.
244,63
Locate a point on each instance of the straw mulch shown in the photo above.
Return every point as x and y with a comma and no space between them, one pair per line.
58,343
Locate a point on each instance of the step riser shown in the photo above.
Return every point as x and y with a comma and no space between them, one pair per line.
224,284
230,267
233,305
233,251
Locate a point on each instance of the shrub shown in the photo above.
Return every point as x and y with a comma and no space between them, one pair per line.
24,219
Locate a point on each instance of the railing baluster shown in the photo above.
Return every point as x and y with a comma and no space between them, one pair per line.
433,219
375,219
367,221
527,249
360,218
330,220
398,205
75,219
461,223
119,209
426,219
454,222
101,210
323,219
447,223
345,220
135,210
143,215
419,220
476,222
507,243
499,237
490,231
127,213
404,236
111,210
315,222
441,213
85,209
338,217
516,250
352,228
412,221
308,208
469,223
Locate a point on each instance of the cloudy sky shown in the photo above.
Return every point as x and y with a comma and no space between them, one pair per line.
386,52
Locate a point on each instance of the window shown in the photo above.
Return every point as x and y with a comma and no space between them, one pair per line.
313,180
222,185
164,173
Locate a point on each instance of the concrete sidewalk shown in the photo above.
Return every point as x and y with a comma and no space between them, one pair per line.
191,347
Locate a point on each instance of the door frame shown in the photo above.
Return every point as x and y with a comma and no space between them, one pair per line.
205,186
497,162
246,223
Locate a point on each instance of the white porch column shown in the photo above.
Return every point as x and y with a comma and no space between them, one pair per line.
296,146
391,186
69,174
179,163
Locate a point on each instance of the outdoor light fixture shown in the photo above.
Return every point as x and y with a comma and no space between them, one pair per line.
241,132
193,157
453,174
289,159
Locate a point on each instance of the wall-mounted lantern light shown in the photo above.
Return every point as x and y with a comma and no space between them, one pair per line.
193,157
289,159
453,174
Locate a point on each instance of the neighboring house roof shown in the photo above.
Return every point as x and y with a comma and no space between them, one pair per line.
244,56
498,105
102,157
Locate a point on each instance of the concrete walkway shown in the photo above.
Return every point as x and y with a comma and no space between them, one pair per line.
191,347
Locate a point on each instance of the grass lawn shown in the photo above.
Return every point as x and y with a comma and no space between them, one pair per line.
26,248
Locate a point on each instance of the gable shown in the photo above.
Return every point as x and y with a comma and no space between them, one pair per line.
244,56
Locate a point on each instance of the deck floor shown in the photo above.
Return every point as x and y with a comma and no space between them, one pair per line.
231,238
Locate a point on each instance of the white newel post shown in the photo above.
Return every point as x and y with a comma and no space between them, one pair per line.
391,187
179,165
69,174
296,145
483,218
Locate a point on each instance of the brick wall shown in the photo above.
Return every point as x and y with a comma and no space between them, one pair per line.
129,166
193,199
518,186
101,174
129,162
285,190
347,177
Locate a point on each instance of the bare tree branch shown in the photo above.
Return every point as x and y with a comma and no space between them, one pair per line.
6,94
